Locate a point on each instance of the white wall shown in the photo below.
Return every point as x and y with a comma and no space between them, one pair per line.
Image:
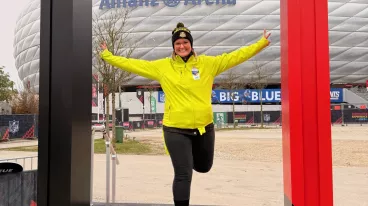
130,101
5,108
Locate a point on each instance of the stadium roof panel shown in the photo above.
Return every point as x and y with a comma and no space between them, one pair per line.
216,28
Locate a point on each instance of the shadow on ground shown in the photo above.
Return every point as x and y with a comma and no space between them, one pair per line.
138,204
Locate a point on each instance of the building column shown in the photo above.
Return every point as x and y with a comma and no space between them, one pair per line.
64,166
305,86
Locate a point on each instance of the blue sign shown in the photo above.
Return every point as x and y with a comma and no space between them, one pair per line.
336,95
253,96
246,96
109,4
161,96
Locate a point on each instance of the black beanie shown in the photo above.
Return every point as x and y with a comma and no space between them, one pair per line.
181,32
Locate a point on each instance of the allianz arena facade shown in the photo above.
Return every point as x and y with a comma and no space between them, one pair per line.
216,28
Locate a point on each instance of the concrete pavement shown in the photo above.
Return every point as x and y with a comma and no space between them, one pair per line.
148,179
18,143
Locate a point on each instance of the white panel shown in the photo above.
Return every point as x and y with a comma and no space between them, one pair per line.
216,29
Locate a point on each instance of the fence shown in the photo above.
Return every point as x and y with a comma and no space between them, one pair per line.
28,163
341,114
344,114
18,126
18,189
147,123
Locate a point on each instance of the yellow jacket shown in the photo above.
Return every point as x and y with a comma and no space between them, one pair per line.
187,85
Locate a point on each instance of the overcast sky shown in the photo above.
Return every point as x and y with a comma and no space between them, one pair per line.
9,12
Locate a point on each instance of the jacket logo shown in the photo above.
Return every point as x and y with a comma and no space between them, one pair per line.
195,73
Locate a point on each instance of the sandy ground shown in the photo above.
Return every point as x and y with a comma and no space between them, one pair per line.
18,143
247,170
349,144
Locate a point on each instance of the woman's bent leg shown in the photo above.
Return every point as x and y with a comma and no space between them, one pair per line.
180,149
203,150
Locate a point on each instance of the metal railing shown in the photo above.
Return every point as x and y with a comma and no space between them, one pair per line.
111,162
28,163
31,163
110,167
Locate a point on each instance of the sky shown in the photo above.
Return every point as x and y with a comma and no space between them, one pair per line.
9,12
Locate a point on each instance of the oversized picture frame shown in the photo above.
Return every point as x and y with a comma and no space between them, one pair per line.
64,169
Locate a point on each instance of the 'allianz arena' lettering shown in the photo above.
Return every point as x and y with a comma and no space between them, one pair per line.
109,4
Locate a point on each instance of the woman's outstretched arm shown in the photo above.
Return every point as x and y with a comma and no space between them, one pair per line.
226,61
144,68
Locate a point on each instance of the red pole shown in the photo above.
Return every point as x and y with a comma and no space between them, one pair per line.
33,203
305,79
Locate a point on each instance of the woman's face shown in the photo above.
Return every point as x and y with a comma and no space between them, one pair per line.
182,47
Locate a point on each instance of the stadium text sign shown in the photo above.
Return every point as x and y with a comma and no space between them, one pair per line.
335,95
255,96
110,4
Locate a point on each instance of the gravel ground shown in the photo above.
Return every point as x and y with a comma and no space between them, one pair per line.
349,144
248,170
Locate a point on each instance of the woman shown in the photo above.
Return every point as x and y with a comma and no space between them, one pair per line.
187,80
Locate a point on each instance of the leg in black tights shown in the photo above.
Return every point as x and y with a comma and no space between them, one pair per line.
203,147
180,149
188,150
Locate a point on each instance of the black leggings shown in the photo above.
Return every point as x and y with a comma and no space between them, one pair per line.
188,150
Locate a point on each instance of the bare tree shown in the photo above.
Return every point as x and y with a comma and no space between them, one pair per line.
26,101
232,81
110,27
259,79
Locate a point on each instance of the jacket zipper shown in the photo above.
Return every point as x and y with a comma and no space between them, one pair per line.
181,72
185,67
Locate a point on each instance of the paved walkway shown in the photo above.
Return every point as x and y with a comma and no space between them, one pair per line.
136,204
148,179
18,143
351,132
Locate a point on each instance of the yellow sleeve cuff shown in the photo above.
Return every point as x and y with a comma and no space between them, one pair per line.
263,41
104,52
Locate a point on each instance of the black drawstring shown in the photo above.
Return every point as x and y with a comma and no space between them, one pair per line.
185,59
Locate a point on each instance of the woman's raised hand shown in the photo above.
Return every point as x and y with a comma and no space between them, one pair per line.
103,45
266,35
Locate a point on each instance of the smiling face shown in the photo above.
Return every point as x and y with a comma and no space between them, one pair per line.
182,47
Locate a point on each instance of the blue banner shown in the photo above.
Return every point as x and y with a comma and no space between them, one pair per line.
336,95
253,96
246,96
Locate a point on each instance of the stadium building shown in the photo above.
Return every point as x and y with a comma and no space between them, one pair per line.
217,26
